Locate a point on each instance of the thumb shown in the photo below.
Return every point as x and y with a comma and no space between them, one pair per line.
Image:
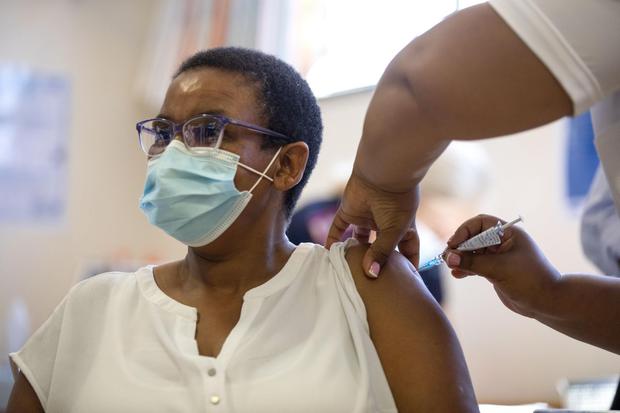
377,255
486,265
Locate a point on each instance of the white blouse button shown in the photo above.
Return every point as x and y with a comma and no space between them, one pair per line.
215,399
211,372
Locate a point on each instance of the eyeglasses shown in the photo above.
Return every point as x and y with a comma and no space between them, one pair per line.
198,132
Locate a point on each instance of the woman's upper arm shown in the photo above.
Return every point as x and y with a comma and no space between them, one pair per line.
418,349
23,398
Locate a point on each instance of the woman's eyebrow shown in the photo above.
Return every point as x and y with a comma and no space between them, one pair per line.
222,112
212,112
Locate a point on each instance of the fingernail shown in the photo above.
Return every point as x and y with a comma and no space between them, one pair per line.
374,269
453,259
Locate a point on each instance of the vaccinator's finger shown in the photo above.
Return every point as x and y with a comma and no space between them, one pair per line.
409,246
337,229
470,228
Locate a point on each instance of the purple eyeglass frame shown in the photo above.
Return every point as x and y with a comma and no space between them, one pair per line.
180,127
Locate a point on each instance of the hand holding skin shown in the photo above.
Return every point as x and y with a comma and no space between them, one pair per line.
523,278
391,214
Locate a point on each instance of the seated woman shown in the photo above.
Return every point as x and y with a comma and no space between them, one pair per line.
247,321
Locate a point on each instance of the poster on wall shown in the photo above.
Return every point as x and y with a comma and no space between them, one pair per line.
34,128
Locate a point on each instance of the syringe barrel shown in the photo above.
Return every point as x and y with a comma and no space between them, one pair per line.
487,238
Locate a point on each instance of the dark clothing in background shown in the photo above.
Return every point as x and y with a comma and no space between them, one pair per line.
311,224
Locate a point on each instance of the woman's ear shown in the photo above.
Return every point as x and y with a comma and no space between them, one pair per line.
291,165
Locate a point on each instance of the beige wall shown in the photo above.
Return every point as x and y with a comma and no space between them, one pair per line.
98,43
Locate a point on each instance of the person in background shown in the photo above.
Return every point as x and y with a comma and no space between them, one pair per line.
246,321
490,70
600,227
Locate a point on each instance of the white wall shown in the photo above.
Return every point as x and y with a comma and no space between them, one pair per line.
98,44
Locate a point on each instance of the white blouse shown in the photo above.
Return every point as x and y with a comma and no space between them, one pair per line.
117,343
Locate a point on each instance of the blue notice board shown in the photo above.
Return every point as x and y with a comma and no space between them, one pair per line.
34,127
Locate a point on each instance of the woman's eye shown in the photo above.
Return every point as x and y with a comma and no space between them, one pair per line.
162,131
163,134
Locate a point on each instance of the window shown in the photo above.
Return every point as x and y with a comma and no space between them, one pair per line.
344,45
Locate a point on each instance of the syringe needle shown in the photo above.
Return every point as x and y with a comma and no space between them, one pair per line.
438,260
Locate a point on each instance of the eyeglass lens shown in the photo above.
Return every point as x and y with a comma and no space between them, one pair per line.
203,131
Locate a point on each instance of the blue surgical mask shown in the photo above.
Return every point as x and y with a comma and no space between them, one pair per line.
192,195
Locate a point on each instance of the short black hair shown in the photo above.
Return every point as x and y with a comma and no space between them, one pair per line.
289,106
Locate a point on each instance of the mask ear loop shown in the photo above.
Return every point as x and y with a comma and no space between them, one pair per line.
261,174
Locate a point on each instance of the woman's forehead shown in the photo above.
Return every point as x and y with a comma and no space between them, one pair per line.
207,90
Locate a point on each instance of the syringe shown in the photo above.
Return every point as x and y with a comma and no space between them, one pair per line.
487,238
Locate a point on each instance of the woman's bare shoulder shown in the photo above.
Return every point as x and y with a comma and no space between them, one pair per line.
397,276
417,346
